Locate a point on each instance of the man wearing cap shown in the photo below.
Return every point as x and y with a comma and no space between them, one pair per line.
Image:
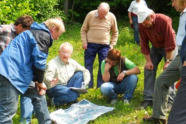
157,29
168,77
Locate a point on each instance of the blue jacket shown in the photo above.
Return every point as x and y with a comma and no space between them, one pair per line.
183,49
25,57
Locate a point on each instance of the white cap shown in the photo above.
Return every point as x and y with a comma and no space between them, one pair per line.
143,13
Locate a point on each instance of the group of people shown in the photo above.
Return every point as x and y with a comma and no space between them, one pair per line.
157,29
23,68
23,61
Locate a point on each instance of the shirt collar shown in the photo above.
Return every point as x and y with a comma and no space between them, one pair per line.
96,15
183,11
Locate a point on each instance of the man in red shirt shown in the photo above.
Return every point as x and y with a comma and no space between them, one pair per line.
156,29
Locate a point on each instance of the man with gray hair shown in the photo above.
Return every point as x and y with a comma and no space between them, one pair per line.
64,76
23,61
95,34
156,29
169,76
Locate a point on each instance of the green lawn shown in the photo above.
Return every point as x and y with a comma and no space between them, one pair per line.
122,114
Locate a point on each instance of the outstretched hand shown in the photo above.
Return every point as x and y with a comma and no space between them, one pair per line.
53,82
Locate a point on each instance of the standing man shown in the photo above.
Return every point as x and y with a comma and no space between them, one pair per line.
133,18
23,61
157,29
8,33
95,34
168,77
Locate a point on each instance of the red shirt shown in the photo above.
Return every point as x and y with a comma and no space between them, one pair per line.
161,34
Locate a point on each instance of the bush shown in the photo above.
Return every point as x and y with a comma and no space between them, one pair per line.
40,10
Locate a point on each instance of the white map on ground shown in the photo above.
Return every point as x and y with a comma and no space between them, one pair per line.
79,113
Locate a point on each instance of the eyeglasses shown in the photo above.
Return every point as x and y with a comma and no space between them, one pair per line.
65,52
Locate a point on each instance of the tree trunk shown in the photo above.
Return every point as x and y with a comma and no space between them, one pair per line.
66,7
73,2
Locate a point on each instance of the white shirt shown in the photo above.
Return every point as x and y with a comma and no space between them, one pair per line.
181,29
63,71
134,6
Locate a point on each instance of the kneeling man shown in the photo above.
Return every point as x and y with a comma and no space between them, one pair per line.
62,74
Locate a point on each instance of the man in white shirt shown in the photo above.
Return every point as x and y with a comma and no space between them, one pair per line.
133,18
62,74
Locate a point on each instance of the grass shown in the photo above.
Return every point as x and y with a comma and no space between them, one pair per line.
122,114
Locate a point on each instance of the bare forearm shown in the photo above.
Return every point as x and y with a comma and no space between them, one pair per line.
106,76
133,71
147,58
129,15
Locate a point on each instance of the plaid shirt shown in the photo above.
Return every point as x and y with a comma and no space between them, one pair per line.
7,33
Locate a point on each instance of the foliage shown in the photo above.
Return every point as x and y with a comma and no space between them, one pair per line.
40,10
11,9
118,7
46,9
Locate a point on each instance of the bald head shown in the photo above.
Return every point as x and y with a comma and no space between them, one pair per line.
103,10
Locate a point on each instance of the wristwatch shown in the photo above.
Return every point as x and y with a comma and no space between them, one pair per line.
125,72
168,60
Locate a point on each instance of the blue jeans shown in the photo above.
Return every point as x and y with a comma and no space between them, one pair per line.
63,94
127,87
9,99
135,27
90,55
26,109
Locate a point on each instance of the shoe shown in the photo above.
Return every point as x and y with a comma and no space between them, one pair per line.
79,90
154,120
126,101
113,101
146,103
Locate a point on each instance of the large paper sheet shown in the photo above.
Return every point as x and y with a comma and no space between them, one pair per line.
79,113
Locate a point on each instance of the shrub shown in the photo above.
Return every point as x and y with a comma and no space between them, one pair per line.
40,10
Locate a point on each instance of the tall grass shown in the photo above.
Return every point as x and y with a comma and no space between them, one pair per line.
122,114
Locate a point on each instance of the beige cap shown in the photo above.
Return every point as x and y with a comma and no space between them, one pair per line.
143,13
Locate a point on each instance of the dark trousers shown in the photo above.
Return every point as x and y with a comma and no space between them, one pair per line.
178,112
90,55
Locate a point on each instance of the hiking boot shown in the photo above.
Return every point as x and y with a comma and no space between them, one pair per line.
113,101
154,120
146,103
126,101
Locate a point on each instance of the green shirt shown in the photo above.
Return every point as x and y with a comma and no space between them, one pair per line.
128,64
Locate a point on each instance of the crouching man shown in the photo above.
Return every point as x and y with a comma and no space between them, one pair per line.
62,74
